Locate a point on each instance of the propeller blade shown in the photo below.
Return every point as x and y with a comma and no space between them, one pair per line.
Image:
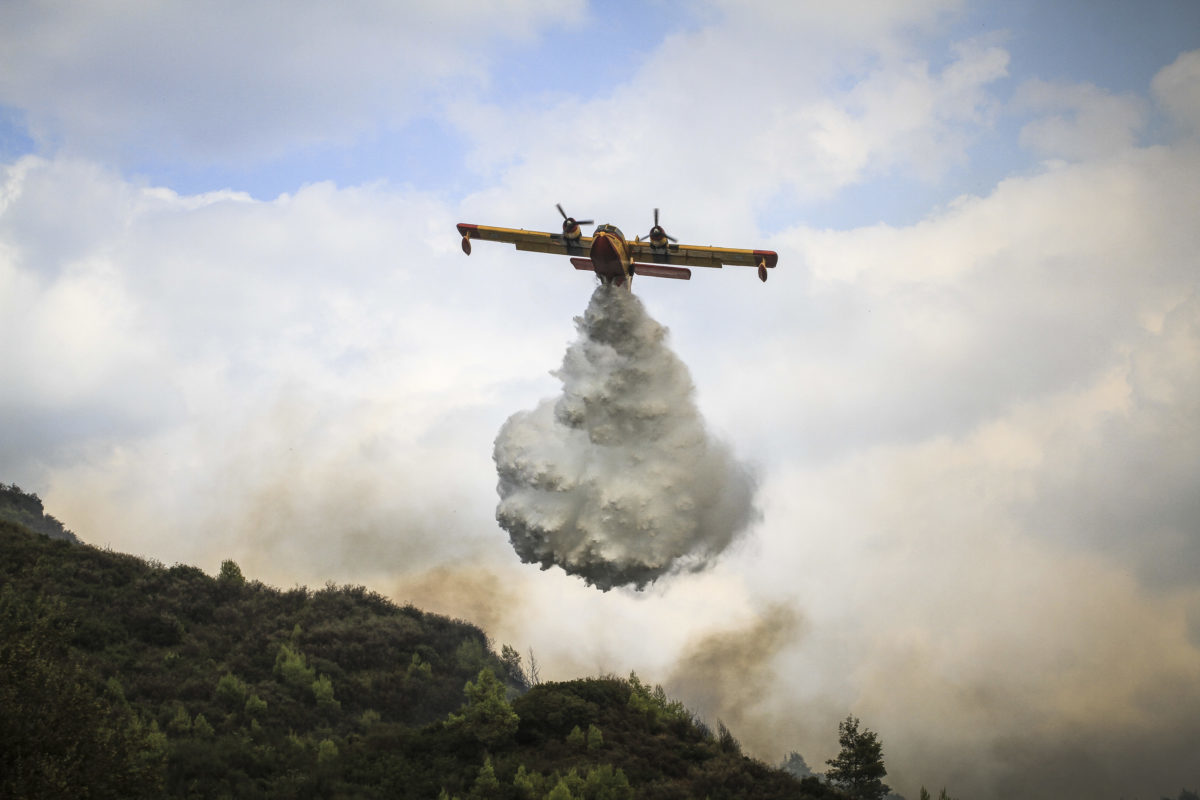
669,236
656,216
584,222
559,207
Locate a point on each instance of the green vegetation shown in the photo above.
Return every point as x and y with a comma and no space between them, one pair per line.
26,509
122,678
858,769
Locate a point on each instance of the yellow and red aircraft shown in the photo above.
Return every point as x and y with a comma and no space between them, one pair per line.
615,260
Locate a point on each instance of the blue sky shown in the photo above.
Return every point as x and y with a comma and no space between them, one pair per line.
240,326
1113,45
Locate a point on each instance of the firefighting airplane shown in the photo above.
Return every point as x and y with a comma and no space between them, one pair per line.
616,260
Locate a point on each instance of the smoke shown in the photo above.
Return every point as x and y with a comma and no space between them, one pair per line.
485,596
730,675
617,480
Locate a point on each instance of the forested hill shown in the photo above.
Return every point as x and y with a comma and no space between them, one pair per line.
26,509
122,678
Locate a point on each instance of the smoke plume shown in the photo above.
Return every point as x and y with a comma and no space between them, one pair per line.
617,480
729,676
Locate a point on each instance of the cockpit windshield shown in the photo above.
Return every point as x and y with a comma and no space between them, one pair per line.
609,229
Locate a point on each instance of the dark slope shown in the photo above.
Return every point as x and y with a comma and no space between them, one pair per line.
172,683
26,509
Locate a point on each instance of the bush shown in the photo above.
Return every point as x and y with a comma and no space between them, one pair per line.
292,667
231,691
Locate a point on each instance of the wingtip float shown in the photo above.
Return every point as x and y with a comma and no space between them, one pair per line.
613,258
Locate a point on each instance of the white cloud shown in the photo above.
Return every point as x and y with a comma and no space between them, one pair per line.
706,131
943,605
1177,88
218,336
1082,121
903,332
899,116
226,81
846,30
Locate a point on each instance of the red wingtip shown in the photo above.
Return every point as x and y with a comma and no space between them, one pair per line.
770,256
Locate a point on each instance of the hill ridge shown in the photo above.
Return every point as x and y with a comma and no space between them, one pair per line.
174,683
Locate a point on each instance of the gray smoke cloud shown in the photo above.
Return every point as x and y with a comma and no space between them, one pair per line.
617,480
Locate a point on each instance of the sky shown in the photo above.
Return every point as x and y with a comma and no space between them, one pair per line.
237,324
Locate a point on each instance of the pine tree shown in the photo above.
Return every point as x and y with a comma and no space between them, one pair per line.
595,739
858,769
486,715
486,784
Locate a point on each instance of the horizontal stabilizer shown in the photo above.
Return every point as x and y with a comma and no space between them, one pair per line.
582,263
663,271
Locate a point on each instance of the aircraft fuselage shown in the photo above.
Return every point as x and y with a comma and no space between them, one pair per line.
610,256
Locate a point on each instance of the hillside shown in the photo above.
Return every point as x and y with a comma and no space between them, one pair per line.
27,510
133,679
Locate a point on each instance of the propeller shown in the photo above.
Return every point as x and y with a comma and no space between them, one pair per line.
658,236
570,224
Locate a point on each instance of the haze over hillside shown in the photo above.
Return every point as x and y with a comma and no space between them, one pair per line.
124,678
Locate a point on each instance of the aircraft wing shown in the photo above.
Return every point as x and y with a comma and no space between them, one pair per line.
534,241
687,255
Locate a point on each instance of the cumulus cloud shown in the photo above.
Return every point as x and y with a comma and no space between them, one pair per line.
899,116
253,370
1175,87
229,81
1081,121
787,125
944,605
985,432
990,302
1149,446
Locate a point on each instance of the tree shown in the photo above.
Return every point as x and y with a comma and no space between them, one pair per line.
292,666
727,741
943,795
327,751
486,716
595,739
231,691
487,785
322,689
62,732
534,674
796,766
858,769
514,672
527,784
202,727
576,738
603,783
255,706
231,574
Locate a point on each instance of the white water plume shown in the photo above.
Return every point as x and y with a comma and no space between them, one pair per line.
617,480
